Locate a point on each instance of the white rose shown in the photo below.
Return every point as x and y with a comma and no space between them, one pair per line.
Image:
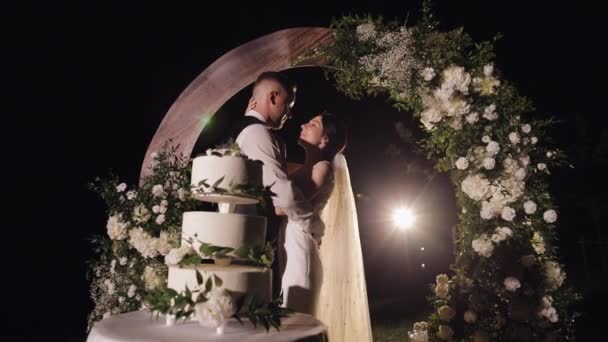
217,309
550,216
512,284
550,313
445,332
508,214
446,313
117,228
475,186
121,187
530,207
488,210
143,242
181,194
428,74
454,77
528,260
164,203
131,194
483,246
158,190
486,139
122,261
510,165
141,214
489,163
429,117
462,163
472,118
442,279
493,148
541,166
524,160
132,290
489,113
549,154
156,209
164,243
488,69
526,128
554,276
534,140
538,243
503,233
163,209
160,219
176,255
470,316
514,138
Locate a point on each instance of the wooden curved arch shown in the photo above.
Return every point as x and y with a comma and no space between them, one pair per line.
228,75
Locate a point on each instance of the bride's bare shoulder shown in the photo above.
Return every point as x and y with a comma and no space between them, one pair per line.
320,171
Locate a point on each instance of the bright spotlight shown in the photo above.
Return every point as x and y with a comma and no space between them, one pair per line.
403,218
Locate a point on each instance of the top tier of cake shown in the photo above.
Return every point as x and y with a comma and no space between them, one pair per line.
227,178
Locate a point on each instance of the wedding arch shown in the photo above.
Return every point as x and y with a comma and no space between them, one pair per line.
506,282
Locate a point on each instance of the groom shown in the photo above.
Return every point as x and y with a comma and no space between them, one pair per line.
269,107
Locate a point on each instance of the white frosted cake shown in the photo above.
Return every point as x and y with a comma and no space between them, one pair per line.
225,229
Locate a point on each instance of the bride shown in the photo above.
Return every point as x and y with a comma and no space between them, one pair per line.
322,264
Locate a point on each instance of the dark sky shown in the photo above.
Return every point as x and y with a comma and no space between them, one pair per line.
93,81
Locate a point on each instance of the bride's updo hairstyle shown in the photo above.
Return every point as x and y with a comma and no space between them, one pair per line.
335,132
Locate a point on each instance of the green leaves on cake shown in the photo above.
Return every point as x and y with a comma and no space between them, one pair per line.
229,149
259,192
266,314
259,255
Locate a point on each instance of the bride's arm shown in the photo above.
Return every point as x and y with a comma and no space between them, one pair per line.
319,175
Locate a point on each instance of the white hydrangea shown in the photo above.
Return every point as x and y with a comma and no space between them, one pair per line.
141,214
121,187
489,113
430,117
530,207
538,243
493,148
455,106
165,243
117,228
512,284
550,216
554,276
472,118
514,138
131,194
526,128
520,174
483,246
508,214
366,32
217,309
490,209
475,186
488,163
143,242
428,74
158,190
151,278
462,163
455,78
131,292
176,255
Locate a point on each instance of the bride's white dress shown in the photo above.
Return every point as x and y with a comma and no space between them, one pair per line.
328,280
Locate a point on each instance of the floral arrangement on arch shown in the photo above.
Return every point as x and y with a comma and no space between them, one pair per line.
507,283
143,226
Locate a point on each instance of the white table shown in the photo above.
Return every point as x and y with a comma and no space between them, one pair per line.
140,326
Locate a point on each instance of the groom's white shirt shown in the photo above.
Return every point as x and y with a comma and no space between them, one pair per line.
257,142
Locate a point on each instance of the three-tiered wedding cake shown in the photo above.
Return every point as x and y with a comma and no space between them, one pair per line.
223,178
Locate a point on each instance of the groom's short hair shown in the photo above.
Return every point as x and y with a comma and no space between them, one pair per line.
283,80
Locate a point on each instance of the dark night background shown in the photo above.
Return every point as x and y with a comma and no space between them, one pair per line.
92,83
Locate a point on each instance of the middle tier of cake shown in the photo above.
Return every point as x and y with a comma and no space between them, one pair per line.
223,230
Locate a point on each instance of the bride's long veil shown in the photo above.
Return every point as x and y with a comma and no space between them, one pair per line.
342,303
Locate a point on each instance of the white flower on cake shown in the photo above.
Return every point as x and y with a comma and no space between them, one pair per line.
488,163
483,246
151,278
528,260
475,186
158,190
366,32
489,113
117,228
554,276
514,138
508,214
141,214
550,216
176,255
470,316
538,243
462,163
512,284
131,194
218,308
445,332
472,118
428,74
160,219
446,313
493,148
164,243
143,242
121,187
455,78
526,128
530,207
131,291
